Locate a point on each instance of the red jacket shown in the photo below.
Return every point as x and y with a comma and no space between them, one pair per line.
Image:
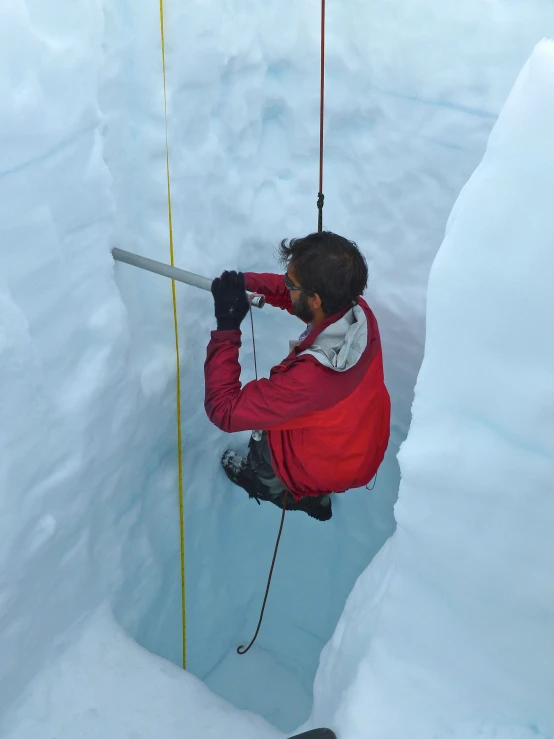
328,427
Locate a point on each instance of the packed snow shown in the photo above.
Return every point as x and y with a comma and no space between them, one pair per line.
446,633
124,690
451,625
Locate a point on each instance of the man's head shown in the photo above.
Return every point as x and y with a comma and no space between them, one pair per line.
326,273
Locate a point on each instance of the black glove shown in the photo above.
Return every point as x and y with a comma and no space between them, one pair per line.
231,303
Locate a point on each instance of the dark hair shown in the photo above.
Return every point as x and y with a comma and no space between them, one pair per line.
329,265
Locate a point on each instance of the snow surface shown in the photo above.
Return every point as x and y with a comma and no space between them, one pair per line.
125,691
87,367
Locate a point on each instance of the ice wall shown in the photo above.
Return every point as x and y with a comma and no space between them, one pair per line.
76,452
413,90
63,341
448,632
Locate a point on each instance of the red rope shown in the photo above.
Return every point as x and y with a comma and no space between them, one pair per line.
321,197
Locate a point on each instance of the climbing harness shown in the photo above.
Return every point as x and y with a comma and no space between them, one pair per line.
320,195
176,325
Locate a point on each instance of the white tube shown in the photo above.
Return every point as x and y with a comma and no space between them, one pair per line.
174,273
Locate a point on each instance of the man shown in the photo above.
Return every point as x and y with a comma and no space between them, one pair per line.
324,410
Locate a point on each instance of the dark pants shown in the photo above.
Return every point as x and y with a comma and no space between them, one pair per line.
259,458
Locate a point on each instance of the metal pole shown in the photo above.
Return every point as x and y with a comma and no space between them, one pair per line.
174,273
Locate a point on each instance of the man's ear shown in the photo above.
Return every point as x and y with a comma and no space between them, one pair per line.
315,301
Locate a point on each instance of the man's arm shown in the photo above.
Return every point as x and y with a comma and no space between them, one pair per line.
279,402
270,285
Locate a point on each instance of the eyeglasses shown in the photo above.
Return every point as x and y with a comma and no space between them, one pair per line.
291,286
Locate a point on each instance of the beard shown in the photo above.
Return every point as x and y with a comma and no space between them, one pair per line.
302,309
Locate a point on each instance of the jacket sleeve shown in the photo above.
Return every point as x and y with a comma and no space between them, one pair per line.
279,402
272,286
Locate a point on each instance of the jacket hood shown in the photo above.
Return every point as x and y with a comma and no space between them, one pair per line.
340,345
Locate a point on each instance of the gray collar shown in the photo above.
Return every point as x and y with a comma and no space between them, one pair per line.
341,344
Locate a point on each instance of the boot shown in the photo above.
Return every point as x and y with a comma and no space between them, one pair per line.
239,471
316,507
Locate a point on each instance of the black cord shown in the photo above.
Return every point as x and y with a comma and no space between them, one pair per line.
242,650
374,483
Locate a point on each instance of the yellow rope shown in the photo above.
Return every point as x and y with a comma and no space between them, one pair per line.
179,434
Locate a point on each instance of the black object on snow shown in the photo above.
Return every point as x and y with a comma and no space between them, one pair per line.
316,734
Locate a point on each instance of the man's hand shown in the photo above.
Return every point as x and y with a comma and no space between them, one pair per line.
231,303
